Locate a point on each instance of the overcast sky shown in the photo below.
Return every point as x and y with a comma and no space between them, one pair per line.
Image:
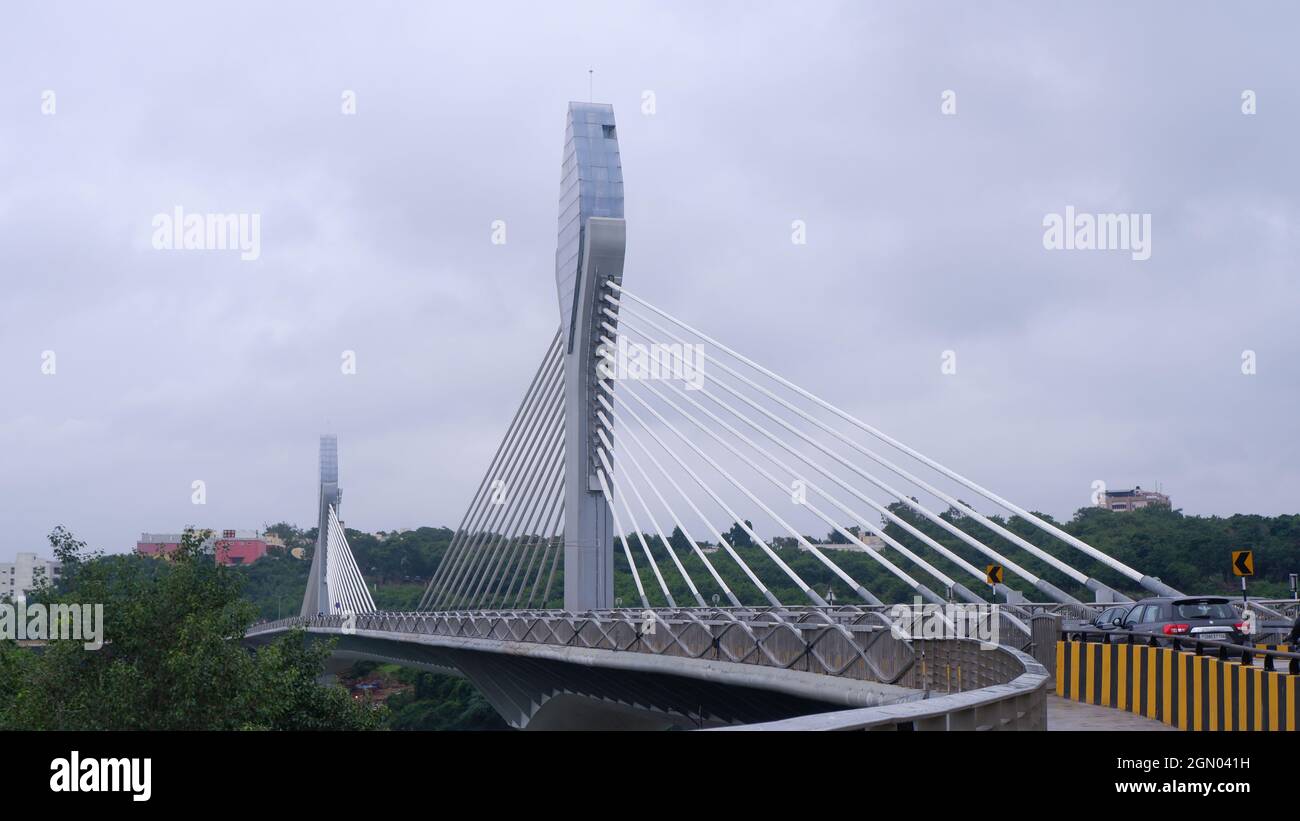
925,235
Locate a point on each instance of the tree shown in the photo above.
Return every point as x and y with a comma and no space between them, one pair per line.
836,537
679,542
172,657
738,537
438,702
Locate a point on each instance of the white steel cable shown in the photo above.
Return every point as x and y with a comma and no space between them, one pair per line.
526,439
957,504
722,541
942,577
627,480
857,586
1010,565
517,507
549,543
888,565
1051,529
636,574
535,474
536,438
540,542
636,529
771,554
628,455
555,562
476,501
361,600
551,384
554,495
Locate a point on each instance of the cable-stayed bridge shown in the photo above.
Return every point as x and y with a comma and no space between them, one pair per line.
639,447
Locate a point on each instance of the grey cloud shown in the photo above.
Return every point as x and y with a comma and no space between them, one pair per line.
925,235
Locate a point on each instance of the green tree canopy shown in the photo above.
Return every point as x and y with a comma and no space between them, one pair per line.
172,657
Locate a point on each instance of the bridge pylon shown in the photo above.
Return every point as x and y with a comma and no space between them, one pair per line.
589,253
317,596
334,583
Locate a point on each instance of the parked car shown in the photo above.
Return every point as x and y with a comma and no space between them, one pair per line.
1208,617
1106,620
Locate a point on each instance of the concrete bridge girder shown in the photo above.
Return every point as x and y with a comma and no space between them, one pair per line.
538,686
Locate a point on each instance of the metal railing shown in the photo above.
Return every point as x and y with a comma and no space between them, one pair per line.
1008,692
848,642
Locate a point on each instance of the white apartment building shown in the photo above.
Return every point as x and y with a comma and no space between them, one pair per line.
19,577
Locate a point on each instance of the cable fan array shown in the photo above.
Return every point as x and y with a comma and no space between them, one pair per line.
506,550
693,438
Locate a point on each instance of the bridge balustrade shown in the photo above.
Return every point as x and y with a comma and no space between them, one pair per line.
970,687
850,642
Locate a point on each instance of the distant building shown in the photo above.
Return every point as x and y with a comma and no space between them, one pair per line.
1133,499
20,577
158,544
230,547
872,542
239,547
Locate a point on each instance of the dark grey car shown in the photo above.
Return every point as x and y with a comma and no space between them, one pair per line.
1104,621
1187,617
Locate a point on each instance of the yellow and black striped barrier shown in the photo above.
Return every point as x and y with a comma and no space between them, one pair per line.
1180,688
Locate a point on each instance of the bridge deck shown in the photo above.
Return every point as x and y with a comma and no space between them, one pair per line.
1064,714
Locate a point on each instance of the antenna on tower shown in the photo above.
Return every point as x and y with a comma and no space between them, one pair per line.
590,85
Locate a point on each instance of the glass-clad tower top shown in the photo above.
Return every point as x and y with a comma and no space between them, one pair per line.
329,458
591,185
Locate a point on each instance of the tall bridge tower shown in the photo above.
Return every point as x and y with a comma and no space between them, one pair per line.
592,237
316,600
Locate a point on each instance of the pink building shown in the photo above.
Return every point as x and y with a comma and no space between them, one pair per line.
239,547
158,544
231,547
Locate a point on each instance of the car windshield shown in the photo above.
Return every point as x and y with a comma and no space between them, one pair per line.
1204,610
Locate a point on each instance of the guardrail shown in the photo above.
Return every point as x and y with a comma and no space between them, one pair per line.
1010,629
1185,682
847,642
1006,689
